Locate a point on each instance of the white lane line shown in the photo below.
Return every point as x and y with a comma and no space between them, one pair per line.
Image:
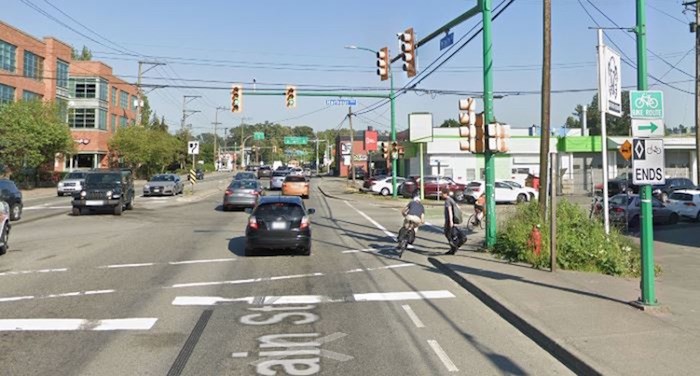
118,266
380,268
201,261
244,281
243,354
46,207
375,223
22,272
313,299
61,295
412,315
361,250
16,298
76,324
443,356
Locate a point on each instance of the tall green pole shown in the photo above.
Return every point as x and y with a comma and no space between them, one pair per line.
489,118
393,135
647,235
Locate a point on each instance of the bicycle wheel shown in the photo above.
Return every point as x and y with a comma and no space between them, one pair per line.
402,238
482,223
470,222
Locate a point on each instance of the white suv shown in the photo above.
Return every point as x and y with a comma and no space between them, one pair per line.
504,192
686,203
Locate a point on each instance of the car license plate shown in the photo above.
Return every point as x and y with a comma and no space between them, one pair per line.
93,203
156,190
279,225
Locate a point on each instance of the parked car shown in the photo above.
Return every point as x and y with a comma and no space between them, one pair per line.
163,184
264,172
531,192
384,185
621,184
245,176
686,203
360,173
662,192
628,207
242,194
13,197
433,186
367,184
106,189
505,193
279,222
277,179
295,185
252,168
71,183
199,174
4,227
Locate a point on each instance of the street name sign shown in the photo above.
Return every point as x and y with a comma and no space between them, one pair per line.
341,102
647,128
258,136
648,161
193,147
293,140
647,104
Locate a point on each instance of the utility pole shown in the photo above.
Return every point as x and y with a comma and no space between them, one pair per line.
695,28
489,118
216,135
185,112
545,105
243,119
138,86
352,147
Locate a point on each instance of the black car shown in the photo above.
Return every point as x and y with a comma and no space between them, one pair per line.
264,172
360,174
672,184
199,174
279,222
13,196
617,186
106,189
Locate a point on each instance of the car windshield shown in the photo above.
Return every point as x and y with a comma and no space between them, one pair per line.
103,179
244,184
76,175
279,209
294,179
278,174
244,175
163,178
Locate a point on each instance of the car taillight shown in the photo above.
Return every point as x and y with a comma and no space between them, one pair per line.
304,222
253,223
228,192
618,210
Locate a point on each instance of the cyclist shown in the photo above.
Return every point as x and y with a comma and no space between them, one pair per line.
414,213
479,208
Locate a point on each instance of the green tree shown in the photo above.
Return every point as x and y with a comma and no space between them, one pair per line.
144,149
616,126
31,134
146,112
449,123
84,55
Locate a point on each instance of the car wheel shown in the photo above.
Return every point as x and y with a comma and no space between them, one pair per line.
532,196
118,209
664,196
4,239
59,194
76,211
521,198
459,196
634,222
130,205
306,251
384,192
673,219
15,212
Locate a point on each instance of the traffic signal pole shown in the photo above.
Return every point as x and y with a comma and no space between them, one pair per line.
647,235
489,118
394,156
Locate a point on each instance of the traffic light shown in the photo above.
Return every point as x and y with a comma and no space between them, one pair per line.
236,98
291,97
394,150
480,134
408,47
383,63
384,148
467,121
498,137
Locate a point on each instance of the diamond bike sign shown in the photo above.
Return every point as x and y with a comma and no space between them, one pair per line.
648,161
647,104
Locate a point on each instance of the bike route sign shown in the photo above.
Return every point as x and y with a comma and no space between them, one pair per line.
648,161
646,104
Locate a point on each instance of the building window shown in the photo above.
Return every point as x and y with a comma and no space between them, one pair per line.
123,99
114,96
7,94
62,105
104,90
7,56
114,122
62,74
83,87
133,103
81,118
122,121
30,95
102,124
33,66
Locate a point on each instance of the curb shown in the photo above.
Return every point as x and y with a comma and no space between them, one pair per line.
572,359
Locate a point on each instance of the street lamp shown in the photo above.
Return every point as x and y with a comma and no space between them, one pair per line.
394,157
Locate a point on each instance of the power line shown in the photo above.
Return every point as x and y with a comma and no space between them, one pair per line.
684,22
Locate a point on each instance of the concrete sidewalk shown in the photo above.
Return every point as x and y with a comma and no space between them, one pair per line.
585,319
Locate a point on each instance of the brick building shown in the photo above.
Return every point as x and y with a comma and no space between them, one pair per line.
92,100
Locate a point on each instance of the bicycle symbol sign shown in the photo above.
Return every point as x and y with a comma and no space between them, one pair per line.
646,104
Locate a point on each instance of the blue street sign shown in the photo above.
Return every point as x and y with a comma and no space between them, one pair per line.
341,102
446,41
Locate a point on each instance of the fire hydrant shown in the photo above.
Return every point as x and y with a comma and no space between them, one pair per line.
535,242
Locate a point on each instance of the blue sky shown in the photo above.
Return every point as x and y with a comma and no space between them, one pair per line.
301,43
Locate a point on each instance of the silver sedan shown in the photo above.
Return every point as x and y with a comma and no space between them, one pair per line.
163,184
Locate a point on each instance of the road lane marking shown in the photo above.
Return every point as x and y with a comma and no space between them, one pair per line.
380,268
22,272
118,266
47,207
201,261
375,223
13,325
242,354
451,367
16,298
186,262
361,250
244,281
313,299
61,295
412,315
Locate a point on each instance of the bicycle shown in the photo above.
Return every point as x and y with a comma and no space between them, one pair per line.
407,235
646,100
596,207
474,222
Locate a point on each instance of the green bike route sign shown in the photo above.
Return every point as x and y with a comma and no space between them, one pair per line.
646,104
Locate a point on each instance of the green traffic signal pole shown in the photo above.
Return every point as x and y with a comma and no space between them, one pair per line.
488,119
647,228
394,156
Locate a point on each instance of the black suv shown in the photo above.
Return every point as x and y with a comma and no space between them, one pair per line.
106,189
12,195
672,184
264,172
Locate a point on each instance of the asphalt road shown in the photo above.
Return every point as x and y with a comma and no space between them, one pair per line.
166,290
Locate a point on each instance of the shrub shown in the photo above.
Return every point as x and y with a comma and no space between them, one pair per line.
581,242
